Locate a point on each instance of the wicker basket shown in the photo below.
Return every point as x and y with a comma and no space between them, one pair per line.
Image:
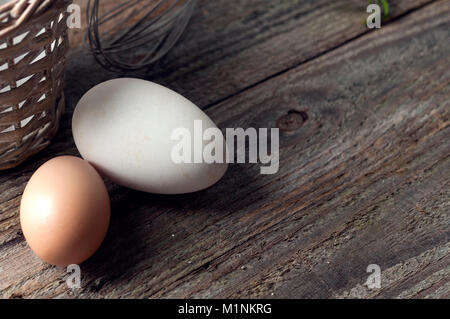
32,63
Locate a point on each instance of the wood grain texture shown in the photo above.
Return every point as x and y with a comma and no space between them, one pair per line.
364,176
229,48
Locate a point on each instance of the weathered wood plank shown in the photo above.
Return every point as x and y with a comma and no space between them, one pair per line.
364,180
228,48
364,183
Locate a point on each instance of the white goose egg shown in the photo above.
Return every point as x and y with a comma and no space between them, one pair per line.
125,128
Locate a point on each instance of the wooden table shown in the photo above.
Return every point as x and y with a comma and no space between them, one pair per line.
364,171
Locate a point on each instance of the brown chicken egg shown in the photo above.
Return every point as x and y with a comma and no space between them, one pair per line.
65,211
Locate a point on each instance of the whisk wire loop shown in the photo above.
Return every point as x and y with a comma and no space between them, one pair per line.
158,26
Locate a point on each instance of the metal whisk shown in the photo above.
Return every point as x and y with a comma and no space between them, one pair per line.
155,27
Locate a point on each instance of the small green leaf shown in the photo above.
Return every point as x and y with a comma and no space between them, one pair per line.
385,7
